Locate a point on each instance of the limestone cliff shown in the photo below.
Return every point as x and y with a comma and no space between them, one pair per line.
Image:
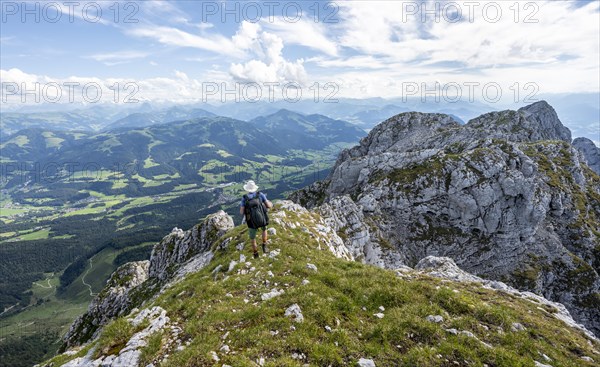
506,196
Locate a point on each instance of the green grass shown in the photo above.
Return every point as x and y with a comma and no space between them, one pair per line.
183,187
140,178
149,163
167,176
114,336
20,141
36,235
152,183
8,234
57,313
85,211
52,140
344,296
9,212
224,153
91,174
152,349
46,312
119,184
27,235
95,276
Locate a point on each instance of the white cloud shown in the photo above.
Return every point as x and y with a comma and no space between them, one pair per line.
375,48
304,32
176,37
177,88
387,46
269,65
119,57
15,75
353,62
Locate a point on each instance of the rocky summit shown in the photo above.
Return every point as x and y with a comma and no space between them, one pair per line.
507,196
201,300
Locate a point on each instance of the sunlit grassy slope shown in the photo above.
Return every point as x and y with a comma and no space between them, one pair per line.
217,306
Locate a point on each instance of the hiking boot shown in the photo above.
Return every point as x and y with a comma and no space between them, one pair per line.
256,255
264,248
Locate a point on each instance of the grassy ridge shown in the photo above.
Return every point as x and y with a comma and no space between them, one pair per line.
216,307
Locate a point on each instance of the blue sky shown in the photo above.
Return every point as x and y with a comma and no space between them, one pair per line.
367,48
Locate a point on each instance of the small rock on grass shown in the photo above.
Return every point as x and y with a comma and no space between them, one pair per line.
295,313
232,265
312,267
271,294
516,326
364,362
435,318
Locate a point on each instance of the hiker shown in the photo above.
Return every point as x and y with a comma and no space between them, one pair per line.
254,206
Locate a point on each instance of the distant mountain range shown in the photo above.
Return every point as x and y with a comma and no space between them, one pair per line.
299,131
579,111
187,140
143,119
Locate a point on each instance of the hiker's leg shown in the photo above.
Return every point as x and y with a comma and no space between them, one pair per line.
264,240
252,234
264,235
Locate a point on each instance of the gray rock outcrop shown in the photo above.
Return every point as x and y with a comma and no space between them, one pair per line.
177,254
113,301
505,195
130,355
180,246
590,151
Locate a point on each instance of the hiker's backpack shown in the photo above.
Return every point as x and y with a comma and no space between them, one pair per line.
256,212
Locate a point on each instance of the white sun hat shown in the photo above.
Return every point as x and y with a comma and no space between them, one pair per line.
250,186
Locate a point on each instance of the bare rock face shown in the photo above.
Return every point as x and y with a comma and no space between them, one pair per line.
179,246
362,240
113,301
590,151
129,356
177,254
505,195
